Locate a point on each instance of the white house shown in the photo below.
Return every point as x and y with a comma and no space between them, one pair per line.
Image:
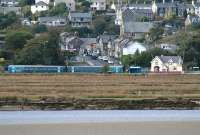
131,47
196,7
167,64
192,20
69,3
45,1
38,7
98,5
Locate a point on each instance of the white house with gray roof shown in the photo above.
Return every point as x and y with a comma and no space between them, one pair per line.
164,64
80,19
98,5
39,7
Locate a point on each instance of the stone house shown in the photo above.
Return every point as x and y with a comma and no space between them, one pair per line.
80,19
98,5
167,64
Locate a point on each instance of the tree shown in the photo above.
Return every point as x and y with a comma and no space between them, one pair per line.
17,39
99,25
156,33
105,69
7,19
59,9
41,50
23,3
26,10
39,28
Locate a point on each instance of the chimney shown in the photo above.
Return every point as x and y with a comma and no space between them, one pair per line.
193,2
163,1
172,1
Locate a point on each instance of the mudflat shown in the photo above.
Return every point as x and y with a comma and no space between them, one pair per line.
117,128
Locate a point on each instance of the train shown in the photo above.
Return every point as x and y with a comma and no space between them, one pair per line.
61,69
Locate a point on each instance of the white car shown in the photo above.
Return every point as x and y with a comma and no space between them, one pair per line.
100,57
105,58
110,62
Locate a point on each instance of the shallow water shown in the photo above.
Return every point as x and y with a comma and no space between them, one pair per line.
56,117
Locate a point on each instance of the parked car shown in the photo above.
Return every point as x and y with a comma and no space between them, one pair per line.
110,62
105,58
100,57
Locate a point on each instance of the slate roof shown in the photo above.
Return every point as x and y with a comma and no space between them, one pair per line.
106,38
81,14
49,19
140,5
88,41
137,27
41,3
174,59
98,0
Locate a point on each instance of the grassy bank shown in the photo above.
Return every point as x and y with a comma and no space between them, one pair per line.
75,88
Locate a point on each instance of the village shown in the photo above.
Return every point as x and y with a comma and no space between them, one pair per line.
148,35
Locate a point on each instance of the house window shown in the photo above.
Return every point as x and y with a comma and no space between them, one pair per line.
175,68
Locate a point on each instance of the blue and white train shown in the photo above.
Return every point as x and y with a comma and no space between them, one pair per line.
61,69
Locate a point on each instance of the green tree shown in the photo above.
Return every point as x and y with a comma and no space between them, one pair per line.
41,50
59,9
7,19
40,28
105,69
26,10
156,33
17,39
99,25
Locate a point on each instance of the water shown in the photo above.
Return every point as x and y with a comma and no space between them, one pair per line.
55,117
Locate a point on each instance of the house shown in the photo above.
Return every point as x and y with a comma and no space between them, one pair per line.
163,8
196,7
105,44
39,6
80,19
131,47
190,9
9,3
69,3
89,46
45,1
70,43
167,64
6,10
98,5
126,46
168,47
136,30
133,13
192,20
52,21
